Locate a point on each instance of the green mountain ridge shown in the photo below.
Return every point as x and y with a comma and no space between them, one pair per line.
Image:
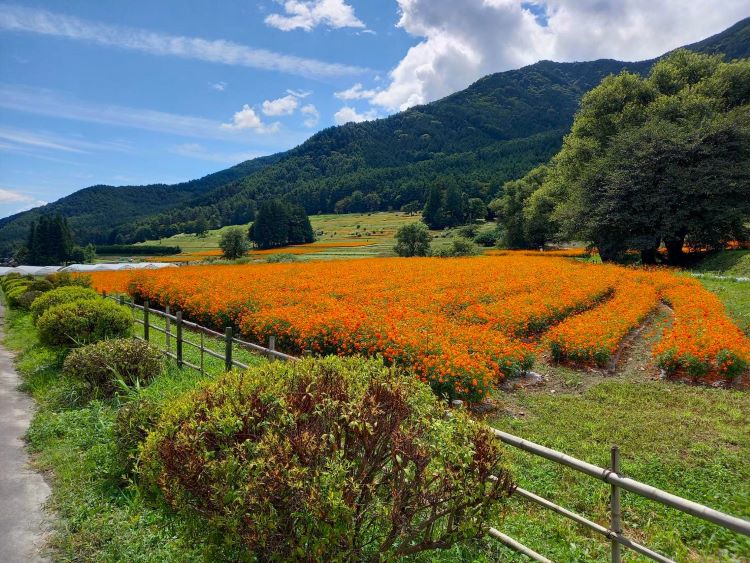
493,131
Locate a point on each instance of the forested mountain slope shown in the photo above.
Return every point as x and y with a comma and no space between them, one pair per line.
495,130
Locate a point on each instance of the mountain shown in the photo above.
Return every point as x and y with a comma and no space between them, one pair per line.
495,130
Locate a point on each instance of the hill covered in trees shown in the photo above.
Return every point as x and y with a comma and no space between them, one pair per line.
496,130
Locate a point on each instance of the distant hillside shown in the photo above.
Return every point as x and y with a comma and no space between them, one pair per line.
495,130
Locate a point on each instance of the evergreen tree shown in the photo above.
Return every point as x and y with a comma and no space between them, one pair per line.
300,230
453,208
432,213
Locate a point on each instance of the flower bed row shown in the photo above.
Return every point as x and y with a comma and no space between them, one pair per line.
702,342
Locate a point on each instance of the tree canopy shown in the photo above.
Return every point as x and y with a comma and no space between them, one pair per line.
279,223
651,160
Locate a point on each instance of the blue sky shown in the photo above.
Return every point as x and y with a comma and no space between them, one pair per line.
125,93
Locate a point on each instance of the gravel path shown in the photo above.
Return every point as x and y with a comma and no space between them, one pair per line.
22,490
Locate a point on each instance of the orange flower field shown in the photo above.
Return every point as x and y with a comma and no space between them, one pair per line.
461,324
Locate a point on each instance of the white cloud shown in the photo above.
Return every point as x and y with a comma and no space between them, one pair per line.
20,140
281,106
348,114
17,18
219,86
246,118
195,150
46,102
12,196
308,14
312,113
484,36
356,92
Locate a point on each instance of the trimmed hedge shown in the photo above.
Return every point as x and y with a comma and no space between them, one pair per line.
84,322
111,364
330,459
65,294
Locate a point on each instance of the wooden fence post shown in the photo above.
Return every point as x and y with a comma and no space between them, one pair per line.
121,299
166,332
145,320
271,346
104,293
178,324
228,348
202,348
616,516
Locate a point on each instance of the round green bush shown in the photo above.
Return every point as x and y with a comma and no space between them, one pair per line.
342,458
110,365
66,294
27,298
84,322
41,285
13,294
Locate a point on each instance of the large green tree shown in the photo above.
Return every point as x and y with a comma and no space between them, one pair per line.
662,159
49,241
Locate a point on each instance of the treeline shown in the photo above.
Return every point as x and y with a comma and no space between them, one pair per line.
50,242
660,161
136,250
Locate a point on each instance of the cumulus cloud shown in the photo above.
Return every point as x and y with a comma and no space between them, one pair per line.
308,14
246,118
281,106
348,114
485,36
312,113
32,20
356,92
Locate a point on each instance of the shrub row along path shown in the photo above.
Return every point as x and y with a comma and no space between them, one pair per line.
22,490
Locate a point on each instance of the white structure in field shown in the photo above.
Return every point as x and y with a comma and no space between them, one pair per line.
47,270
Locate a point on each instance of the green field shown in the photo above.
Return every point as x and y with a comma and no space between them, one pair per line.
338,236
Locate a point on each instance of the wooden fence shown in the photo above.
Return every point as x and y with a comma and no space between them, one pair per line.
173,329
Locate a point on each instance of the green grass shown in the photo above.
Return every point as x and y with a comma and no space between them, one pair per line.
688,440
736,298
733,263
98,517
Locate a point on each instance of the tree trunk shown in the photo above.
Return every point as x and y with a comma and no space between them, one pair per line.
675,255
648,256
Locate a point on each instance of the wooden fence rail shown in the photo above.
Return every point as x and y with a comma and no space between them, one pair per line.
610,475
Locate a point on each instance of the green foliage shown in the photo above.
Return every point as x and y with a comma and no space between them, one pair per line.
136,250
64,279
520,228
84,322
412,240
113,365
27,298
280,224
487,238
64,294
459,247
656,159
132,424
339,459
233,243
49,241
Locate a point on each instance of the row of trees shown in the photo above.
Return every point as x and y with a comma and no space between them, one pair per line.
277,224
50,242
649,161
450,207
